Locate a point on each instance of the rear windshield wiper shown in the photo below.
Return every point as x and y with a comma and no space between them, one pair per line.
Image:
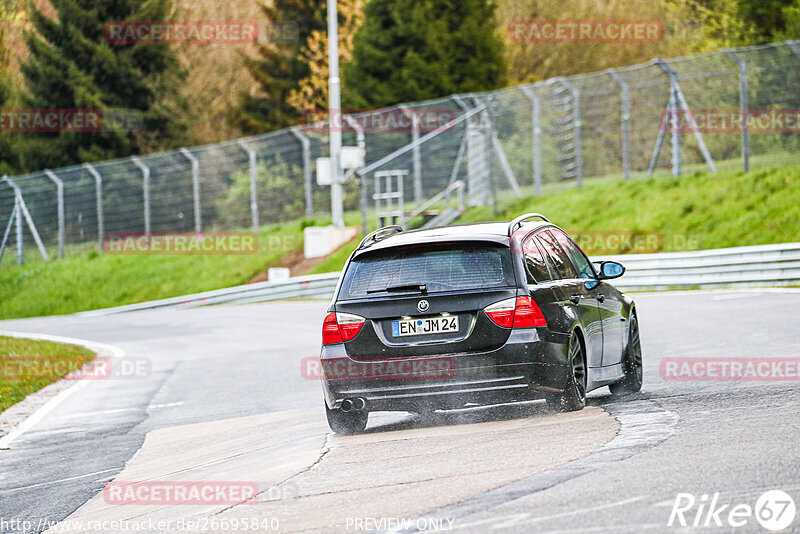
422,288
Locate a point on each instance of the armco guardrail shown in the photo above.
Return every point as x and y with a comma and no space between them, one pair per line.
762,265
315,286
758,266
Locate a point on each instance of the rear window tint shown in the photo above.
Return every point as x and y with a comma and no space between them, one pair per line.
537,268
441,268
559,260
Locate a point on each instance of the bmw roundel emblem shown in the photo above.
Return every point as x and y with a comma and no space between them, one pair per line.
423,305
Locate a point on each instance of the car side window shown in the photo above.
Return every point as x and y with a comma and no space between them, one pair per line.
578,257
559,260
537,269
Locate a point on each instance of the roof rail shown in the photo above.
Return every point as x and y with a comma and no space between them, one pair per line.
521,219
379,235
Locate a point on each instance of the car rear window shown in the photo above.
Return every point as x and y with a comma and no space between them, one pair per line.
440,268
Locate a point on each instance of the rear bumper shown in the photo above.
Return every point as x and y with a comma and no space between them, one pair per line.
524,368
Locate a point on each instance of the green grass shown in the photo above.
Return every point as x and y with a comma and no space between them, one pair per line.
336,261
697,211
92,280
694,212
28,365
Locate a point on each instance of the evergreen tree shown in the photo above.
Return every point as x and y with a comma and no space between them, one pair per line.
7,153
280,65
71,65
409,50
312,92
769,19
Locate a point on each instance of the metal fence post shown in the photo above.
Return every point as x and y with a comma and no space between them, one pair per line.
198,221
21,211
362,184
417,160
98,191
497,146
462,147
625,122
676,135
680,101
576,120
744,108
11,220
145,191
18,210
16,217
307,179
251,156
536,125
60,192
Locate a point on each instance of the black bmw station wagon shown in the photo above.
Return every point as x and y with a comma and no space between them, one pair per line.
444,318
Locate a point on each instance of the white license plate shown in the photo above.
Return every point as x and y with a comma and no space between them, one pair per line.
421,327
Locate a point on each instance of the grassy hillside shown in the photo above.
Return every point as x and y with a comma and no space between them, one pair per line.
694,212
28,365
91,280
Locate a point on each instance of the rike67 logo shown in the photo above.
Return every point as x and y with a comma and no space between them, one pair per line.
774,510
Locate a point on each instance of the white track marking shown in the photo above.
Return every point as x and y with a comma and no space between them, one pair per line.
516,519
70,479
41,413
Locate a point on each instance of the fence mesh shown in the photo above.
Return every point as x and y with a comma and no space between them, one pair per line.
519,140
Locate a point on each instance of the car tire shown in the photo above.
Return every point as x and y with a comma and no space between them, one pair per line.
574,396
632,361
350,422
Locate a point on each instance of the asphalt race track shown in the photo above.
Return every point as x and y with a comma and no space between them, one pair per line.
223,398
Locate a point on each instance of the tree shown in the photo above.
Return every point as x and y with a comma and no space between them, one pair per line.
409,50
312,93
280,64
770,19
791,16
72,66
8,160
279,196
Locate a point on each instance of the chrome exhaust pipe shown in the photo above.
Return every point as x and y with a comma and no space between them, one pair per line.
359,404
347,405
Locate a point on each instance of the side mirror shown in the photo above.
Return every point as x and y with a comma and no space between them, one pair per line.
611,269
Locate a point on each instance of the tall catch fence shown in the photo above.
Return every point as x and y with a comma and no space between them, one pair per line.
476,148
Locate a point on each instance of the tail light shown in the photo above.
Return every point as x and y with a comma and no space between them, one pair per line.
340,327
502,313
519,312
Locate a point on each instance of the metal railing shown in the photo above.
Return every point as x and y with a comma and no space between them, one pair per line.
513,141
757,266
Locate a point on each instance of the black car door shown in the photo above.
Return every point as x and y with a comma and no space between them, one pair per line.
609,301
614,323
572,294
